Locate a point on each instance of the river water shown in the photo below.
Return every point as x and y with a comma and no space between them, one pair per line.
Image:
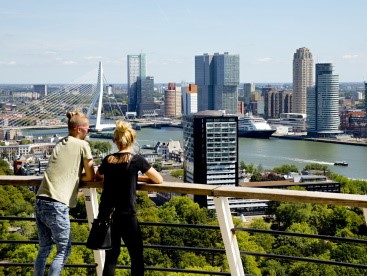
274,152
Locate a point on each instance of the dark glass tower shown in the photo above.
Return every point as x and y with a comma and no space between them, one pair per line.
217,77
136,68
145,97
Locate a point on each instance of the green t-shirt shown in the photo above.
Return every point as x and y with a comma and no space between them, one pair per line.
65,166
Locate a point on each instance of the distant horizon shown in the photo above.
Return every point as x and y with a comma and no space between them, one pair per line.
165,83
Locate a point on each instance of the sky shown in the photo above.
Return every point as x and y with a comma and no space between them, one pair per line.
45,42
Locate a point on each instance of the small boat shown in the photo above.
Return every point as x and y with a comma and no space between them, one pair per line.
341,163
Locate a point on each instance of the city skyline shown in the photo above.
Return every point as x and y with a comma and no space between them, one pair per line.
44,42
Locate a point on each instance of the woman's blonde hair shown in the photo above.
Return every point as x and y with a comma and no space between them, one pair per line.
124,134
76,118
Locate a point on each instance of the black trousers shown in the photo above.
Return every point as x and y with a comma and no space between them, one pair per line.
125,227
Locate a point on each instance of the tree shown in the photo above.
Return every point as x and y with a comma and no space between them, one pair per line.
250,263
316,167
349,253
341,218
273,268
307,269
264,240
190,259
289,213
158,165
249,168
25,142
301,245
285,169
5,168
256,176
100,147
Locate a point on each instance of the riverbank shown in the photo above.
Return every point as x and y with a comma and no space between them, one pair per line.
353,142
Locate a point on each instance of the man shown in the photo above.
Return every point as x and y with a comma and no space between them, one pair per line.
58,192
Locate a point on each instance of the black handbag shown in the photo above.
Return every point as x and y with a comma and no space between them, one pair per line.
100,235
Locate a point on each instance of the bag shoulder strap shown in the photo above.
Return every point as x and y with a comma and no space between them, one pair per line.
131,158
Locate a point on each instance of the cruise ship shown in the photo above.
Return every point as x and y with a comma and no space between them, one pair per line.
253,127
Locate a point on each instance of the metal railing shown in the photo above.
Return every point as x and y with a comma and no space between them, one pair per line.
226,227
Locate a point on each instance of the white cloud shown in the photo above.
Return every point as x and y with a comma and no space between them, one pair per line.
69,62
93,58
12,62
349,56
50,53
265,59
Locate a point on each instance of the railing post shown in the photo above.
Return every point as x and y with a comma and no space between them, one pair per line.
229,238
365,215
91,204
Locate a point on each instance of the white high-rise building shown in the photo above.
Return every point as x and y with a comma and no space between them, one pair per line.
302,79
323,103
189,99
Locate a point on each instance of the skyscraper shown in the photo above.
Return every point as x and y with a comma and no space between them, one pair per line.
217,77
145,105
172,100
302,79
248,89
323,103
210,149
41,89
277,102
136,68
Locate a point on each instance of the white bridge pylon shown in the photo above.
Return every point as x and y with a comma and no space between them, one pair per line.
99,96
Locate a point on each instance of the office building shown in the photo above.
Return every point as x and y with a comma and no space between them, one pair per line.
136,69
210,149
217,77
145,105
41,89
172,101
365,98
189,99
353,121
323,103
248,90
277,102
302,79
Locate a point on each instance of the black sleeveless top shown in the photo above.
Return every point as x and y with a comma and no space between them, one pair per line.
120,179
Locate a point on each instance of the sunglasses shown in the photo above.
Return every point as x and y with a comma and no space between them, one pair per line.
83,127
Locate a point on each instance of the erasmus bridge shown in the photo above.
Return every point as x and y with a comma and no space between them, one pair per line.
85,94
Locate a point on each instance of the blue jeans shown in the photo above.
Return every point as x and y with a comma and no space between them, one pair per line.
53,224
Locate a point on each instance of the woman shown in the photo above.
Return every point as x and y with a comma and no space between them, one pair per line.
120,173
58,192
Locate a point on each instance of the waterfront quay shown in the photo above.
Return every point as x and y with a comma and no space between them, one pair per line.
344,141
